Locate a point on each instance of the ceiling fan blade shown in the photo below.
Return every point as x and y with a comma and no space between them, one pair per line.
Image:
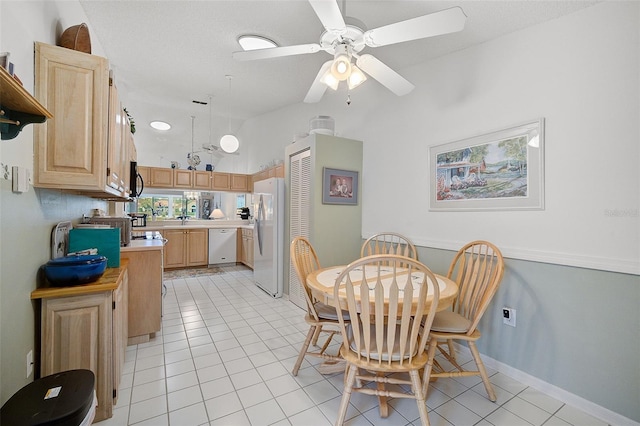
329,14
276,52
317,89
385,75
443,22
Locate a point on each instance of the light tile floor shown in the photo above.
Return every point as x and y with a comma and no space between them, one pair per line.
225,355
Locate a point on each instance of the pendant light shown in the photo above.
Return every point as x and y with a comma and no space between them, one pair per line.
229,143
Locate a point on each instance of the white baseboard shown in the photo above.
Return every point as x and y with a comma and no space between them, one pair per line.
560,394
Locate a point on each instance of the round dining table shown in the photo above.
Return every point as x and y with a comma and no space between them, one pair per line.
322,282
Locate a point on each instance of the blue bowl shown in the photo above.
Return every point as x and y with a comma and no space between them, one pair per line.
74,270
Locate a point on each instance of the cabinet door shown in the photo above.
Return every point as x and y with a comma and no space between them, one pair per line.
182,178
250,251
239,182
145,173
280,170
145,292
77,333
161,177
71,148
201,179
120,326
221,181
116,142
198,247
176,248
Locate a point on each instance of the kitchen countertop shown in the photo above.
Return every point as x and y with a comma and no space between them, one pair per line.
107,282
159,226
143,244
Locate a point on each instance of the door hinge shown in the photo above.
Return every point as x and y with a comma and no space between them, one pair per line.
115,393
113,304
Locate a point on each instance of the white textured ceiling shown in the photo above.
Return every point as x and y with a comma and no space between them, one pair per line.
167,53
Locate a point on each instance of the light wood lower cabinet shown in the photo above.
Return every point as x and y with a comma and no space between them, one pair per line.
87,331
186,247
145,294
246,247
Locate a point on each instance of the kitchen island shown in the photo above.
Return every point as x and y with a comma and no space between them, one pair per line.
145,288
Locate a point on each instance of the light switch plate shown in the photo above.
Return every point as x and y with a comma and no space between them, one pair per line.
20,179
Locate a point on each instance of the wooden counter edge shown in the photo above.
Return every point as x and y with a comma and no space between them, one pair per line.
109,281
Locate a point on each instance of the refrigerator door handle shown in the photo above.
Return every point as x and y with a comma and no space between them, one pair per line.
259,223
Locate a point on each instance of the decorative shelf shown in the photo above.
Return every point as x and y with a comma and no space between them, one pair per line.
17,107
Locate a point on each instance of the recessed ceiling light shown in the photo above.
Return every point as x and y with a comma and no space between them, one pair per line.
160,125
253,42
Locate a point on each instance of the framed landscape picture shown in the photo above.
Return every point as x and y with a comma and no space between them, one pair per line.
339,187
501,170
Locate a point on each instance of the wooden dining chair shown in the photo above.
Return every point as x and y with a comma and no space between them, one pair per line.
389,243
320,317
386,297
477,268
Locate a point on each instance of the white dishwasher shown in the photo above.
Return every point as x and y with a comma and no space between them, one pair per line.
222,245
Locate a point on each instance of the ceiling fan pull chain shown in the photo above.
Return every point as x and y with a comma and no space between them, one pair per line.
348,98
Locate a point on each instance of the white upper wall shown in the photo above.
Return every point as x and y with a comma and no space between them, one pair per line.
580,72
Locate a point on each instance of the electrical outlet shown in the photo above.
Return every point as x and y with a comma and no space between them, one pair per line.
29,363
509,316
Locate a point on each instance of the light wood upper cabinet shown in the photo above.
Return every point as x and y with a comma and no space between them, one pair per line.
230,182
145,174
221,181
156,177
182,178
201,179
160,177
72,149
117,141
279,170
239,183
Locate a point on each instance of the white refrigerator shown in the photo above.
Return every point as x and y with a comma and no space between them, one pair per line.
268,239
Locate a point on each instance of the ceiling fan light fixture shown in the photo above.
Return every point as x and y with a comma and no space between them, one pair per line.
356,78
229,143
330,80
160,125
255,42
341,67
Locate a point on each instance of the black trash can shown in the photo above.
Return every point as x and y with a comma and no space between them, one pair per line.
62,399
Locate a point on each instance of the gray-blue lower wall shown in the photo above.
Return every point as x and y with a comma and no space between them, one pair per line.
587,345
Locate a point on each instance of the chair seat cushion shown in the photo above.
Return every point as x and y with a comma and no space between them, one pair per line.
395,355
450,322
329,312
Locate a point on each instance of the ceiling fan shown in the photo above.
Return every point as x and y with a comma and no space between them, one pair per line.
210,148
216,150
345,41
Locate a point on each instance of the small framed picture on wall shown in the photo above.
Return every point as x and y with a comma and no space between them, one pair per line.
339,187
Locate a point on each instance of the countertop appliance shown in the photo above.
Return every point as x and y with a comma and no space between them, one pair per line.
222,245
124,223
268,254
